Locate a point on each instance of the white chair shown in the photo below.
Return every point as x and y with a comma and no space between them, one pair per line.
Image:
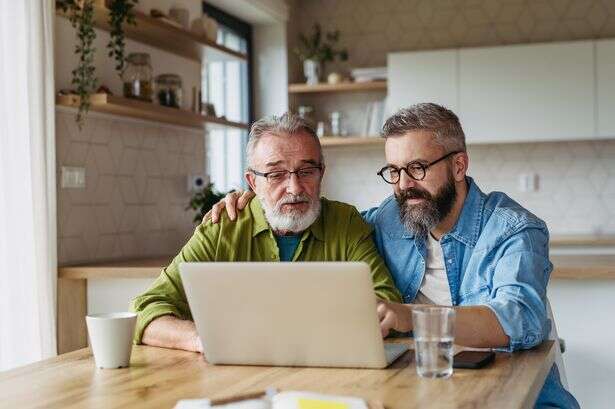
560,346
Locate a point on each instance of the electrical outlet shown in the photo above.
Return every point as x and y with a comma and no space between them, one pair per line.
528,182
73,177
197,182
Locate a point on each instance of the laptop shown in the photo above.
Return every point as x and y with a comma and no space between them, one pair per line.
320,314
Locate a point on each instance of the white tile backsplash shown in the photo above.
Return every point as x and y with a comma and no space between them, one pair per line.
135,196
576,193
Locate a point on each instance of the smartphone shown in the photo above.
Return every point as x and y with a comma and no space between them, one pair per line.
473,359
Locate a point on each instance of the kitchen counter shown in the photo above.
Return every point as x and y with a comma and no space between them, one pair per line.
566,266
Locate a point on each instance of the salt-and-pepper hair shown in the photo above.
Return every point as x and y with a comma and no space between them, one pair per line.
288,124
442,122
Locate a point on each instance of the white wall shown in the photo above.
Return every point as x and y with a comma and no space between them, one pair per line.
270,70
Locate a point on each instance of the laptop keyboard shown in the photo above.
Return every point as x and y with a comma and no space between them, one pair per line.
394,351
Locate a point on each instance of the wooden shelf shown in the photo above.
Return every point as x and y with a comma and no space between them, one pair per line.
341,87
579,267
137,268
582,240
157,33
351,140
576,267
146,110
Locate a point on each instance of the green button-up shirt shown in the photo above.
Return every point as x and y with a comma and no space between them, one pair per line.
339,234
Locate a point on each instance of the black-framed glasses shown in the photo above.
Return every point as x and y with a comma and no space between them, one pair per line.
278,176
416,170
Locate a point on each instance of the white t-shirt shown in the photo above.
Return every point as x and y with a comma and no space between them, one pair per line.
434,288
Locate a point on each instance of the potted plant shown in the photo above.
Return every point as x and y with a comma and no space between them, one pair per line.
315,52
81,15
203,200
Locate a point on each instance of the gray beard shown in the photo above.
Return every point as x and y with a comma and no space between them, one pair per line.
293,222
421,220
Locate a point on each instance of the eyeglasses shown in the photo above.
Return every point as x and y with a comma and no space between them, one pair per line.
416,170
310,173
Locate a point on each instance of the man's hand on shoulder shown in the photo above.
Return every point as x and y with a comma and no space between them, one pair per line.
232,203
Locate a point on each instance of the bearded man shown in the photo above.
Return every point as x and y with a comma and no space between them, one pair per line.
287,221
448,243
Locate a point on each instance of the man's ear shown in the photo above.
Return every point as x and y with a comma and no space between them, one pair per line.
460,166
322,172
251,179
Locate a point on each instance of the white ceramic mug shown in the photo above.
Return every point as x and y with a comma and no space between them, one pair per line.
111,338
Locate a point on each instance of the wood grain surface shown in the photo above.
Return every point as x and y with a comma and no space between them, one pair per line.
158,378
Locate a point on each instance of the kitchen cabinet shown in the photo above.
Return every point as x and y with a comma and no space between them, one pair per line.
425,76
605,73
536,92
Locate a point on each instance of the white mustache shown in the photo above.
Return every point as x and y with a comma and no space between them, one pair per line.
293,200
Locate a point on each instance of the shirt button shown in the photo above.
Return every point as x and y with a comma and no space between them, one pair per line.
450,261
273,256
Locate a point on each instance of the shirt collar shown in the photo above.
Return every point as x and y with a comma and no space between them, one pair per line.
467,228
260,222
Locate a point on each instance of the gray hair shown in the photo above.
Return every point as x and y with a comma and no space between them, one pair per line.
442,122
288,124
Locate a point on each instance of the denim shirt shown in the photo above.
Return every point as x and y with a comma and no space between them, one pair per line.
496,255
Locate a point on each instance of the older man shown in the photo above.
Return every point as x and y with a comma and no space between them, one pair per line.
288,221
447,243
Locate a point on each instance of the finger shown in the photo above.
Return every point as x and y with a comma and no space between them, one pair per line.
381,310
230,201
387,323
244,199
216,211
207,217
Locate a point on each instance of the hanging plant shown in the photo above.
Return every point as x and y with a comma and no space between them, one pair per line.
120,12
81,16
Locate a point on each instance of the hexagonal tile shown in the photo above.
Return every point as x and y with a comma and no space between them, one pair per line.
130,219
129,245
104,189
128,163
154,191
103,159
128,190
108,247
578,9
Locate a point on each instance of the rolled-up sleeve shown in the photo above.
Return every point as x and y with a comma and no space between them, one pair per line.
519,288
166,295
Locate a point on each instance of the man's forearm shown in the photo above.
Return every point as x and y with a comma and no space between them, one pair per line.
478,327
171,332
475,326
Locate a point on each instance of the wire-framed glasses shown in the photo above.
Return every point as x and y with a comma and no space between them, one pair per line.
309,173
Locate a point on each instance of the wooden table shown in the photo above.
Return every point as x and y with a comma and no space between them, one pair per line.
159,377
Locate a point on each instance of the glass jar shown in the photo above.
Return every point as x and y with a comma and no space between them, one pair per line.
169,90
137,77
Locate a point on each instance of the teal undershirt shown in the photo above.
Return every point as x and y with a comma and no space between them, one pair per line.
287,246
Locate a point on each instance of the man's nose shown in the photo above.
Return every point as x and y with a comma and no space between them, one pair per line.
405,181
293,184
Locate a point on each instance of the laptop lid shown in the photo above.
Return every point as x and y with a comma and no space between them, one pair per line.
285,314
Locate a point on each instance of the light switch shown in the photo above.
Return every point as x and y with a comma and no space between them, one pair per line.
73,177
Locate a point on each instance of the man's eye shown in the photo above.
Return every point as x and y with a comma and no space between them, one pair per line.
306,172
276,175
